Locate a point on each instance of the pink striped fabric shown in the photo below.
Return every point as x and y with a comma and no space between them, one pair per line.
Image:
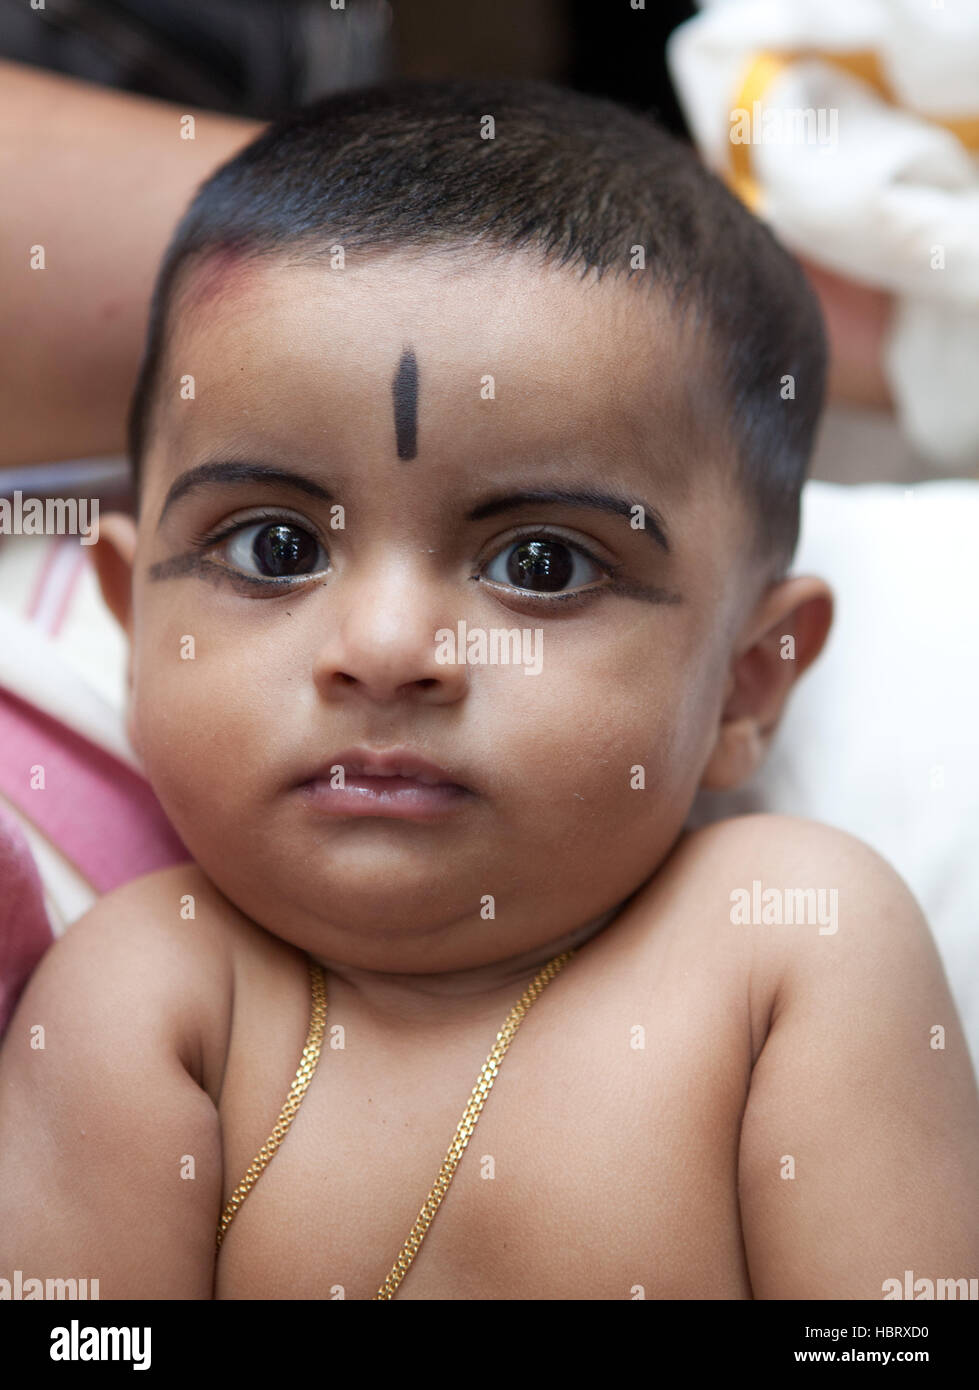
98,812
64,563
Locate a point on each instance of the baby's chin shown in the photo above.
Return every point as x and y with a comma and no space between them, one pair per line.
498,878
384,915
371,897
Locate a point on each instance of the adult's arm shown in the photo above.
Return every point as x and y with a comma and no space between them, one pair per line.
858,319
98,178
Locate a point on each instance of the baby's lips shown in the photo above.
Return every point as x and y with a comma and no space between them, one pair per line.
391,762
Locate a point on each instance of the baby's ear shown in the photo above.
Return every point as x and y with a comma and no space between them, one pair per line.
784,635
113,556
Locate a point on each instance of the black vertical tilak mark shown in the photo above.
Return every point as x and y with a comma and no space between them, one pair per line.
404,389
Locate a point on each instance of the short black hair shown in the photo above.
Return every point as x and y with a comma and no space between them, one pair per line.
575,179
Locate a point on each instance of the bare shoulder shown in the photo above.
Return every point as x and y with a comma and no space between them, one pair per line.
772,871
105,1107
780,905
165,944
860,1135
784,842
823,915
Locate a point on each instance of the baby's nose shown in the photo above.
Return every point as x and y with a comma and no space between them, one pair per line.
383,645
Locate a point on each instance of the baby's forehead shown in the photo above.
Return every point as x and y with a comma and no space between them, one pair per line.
206,278
507,309
500,351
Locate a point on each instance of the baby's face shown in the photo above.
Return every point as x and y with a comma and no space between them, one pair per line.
300,631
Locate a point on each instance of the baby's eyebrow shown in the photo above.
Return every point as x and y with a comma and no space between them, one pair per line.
653,524
239,471
244,471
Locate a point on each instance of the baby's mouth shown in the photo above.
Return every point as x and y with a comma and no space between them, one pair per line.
397,783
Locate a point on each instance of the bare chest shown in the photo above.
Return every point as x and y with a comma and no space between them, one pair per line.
603,1164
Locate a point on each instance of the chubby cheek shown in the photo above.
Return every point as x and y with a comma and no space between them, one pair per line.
205,721
610,748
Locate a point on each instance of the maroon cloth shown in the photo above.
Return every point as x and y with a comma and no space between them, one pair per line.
25,932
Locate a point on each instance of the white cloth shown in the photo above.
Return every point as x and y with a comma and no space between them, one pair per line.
886,196
62,652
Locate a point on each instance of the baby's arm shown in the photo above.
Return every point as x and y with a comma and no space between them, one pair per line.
97,1124
860,1140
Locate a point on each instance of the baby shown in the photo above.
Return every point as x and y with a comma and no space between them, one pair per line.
469,442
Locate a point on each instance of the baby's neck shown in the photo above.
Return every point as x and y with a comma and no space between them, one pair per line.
412,1001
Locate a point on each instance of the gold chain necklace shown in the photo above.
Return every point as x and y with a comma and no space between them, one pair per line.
482,1088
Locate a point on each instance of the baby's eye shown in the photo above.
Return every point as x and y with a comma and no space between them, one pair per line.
542,565
275,550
